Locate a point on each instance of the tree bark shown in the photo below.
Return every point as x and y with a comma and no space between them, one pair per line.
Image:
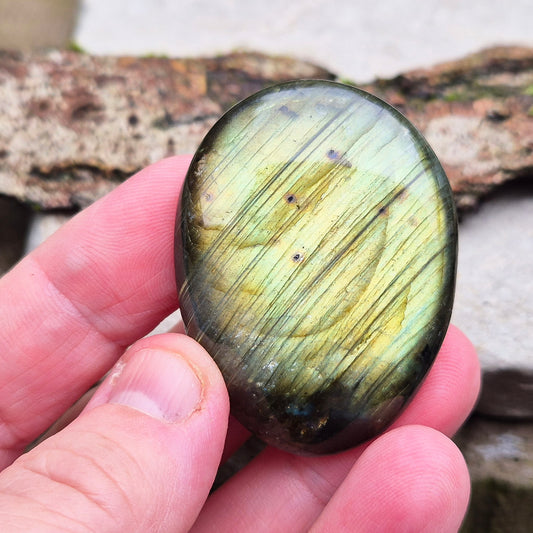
72,126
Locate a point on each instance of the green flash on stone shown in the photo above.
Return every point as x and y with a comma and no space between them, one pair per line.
315,258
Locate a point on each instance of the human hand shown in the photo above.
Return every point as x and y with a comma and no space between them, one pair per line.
143,454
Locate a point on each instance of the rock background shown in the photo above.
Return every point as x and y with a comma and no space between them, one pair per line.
477,112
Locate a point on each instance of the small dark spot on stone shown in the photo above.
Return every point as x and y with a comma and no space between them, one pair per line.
103,80
39,108
171,148
402,193
85,110
298,257
383,211
208,196
288,112
497,115
133,120
165,122
290,198
3,154
335,155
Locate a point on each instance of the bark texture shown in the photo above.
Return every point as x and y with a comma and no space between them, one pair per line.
476,113
72,125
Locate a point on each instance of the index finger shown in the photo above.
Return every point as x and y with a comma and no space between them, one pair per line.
68,310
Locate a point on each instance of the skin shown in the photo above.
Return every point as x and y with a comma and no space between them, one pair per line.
142,455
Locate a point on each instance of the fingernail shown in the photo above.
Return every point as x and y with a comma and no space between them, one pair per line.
158,383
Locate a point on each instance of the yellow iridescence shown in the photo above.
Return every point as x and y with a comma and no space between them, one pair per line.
320,241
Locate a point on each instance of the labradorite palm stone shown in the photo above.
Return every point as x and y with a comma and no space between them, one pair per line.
315,259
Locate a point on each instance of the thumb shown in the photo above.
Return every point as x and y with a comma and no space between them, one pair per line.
141,457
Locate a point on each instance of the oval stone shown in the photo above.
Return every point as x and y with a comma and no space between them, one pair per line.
315,259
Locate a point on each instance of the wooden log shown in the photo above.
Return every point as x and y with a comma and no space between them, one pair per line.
72,126
476,113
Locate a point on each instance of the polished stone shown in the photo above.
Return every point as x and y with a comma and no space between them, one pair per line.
315,259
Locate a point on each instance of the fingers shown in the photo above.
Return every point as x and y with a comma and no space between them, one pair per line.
100,283
411,479
299,487
145,450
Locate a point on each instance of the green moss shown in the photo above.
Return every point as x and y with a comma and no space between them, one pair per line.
346,81
476,91
530,112
529,90
418,104
152,55
456,96
75,47
499,507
